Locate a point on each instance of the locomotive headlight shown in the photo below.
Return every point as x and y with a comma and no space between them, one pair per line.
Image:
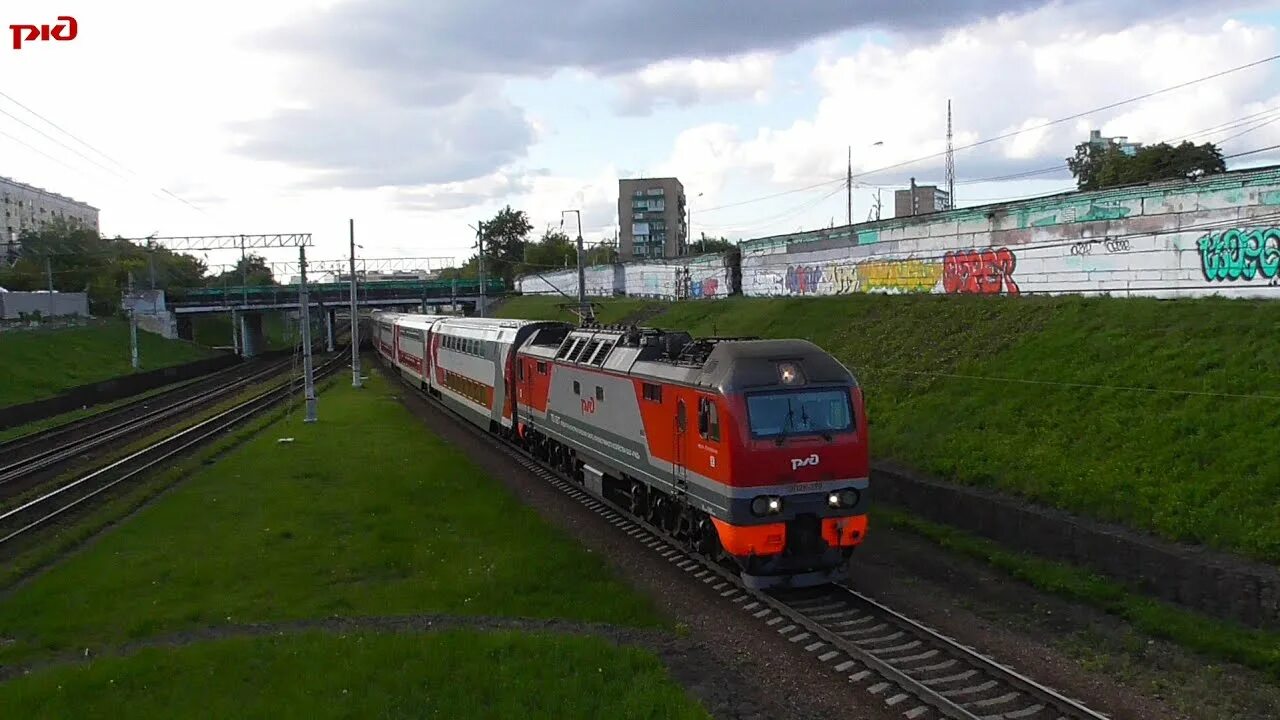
766,505
842,498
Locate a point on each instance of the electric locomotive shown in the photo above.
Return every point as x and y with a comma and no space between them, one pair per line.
753,451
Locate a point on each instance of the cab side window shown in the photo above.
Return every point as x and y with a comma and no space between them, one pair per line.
708,420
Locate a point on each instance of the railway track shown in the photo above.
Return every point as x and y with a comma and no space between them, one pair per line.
895,660
49,506
48,449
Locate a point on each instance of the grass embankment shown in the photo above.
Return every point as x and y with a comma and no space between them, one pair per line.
43,363
455,674
1162,415
1258,649
545,307
363,514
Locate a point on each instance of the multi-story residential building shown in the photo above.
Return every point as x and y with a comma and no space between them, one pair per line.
1120,141
920,199
28,207
651,218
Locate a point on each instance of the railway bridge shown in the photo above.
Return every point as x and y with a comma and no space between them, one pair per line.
332,300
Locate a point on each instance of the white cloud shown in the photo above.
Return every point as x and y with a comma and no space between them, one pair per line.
688,82
1002,76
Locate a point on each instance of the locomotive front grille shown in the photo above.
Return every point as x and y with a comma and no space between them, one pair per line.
804,536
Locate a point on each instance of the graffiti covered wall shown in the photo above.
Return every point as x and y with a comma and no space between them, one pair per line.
1178,239
702,277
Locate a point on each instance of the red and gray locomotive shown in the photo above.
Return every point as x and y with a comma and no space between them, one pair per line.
750,450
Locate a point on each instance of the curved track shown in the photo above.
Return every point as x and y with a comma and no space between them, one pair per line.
892,658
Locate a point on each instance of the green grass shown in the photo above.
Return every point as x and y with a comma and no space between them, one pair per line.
51,546
943,377
452,674
1258,649
542,307
365,513
43,363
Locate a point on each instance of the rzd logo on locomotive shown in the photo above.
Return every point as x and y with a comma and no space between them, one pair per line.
589,406
797,463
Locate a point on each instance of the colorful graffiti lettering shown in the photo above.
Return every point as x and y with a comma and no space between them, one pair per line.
843,278
1240,254
981,272
705,288
803,279
899,275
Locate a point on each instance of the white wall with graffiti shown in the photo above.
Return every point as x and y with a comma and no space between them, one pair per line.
1219,235
704,276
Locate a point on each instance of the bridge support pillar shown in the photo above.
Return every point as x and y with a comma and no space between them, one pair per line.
330,321
251,338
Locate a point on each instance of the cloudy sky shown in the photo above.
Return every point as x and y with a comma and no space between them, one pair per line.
416,119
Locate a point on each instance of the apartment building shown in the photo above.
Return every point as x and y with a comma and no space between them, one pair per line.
652,220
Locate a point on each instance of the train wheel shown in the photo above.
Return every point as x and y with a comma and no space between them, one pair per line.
706,539
637,501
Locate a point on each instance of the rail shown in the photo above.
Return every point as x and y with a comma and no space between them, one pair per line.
926,675
52,505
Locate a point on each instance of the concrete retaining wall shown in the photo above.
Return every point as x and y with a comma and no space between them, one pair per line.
704,276
1219,235
13,305
1211,582
110,390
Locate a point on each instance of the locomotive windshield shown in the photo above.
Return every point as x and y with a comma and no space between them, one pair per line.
799,412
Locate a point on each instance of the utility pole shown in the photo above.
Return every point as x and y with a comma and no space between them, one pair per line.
151,262
951,163
48,272
848,188
355,319
480,262
304,302
133,327
582,277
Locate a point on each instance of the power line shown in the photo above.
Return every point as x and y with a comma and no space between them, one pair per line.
1006,136
87,145
1250,152
1078,115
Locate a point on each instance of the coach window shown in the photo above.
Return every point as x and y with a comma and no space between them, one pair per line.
520,370
708,420
577,389
600,393
542,368
681,420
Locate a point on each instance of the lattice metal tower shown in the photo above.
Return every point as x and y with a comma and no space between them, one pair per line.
951,161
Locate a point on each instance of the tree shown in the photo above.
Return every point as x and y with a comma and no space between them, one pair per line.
83,261
704,245
554,249
251,270
1096,167
505,238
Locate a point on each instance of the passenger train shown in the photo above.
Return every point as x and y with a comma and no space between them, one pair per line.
752,451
